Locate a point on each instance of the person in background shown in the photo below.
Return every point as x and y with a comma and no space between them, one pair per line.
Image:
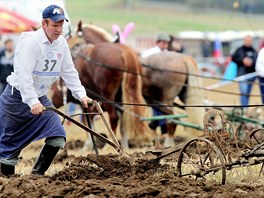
245,57
6,63
175,45
1,45
41,57
260,72
261,44
162,43
206,48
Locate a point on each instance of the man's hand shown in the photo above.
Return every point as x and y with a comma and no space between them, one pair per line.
37,109
85,101
247,62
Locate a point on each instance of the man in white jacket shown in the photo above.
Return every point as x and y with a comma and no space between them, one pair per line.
260,71
41,57
162,43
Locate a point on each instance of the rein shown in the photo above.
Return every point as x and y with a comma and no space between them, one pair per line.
89,59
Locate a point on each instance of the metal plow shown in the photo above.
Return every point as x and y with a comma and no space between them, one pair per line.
215,153
210,156
114,143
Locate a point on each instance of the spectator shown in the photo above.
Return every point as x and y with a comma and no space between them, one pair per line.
162,43
6,63
206,48
175,45
245,58
260,72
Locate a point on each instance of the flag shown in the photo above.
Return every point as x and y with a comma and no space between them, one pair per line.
217,48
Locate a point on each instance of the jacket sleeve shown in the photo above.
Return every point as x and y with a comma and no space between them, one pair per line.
260,63
255,57
71,77
238,56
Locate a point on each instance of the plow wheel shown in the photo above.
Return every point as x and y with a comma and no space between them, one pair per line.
201,159
256,140
256,137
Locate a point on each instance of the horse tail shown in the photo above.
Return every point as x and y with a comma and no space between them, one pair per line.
194,96
137,130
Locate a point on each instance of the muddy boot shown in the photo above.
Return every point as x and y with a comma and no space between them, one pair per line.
44,160
7,170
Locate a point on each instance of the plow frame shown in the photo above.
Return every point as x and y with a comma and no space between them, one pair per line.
216,151
211,154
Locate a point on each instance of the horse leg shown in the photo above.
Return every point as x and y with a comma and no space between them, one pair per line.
167,128
124,135
89,120
114,117
169,139
88,144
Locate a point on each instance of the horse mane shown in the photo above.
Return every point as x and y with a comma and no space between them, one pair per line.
106,35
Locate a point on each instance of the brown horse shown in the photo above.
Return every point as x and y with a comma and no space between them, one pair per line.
111,73
165,76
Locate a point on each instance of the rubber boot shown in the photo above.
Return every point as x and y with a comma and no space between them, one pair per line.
44,160
7,170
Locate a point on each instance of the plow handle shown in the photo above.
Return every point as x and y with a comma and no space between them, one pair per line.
118,148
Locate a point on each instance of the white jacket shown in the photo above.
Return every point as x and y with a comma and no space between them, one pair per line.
260,63
39,63
150,51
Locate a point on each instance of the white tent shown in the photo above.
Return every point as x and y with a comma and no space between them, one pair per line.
224,36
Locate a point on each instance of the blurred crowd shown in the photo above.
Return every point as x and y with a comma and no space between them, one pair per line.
6,62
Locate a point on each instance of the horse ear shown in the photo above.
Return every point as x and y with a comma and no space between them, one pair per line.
79,26
116,38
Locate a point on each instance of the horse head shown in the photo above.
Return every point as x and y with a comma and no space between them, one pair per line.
93,34
76,42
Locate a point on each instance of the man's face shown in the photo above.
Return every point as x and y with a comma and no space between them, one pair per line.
163,44
248,41
52,29
9,46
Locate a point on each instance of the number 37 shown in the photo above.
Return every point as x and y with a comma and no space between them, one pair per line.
49,64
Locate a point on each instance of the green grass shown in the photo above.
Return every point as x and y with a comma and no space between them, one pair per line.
148,21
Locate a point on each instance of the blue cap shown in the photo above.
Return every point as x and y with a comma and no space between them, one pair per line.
55,13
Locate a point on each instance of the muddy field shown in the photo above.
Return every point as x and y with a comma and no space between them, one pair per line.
80,173
112,175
